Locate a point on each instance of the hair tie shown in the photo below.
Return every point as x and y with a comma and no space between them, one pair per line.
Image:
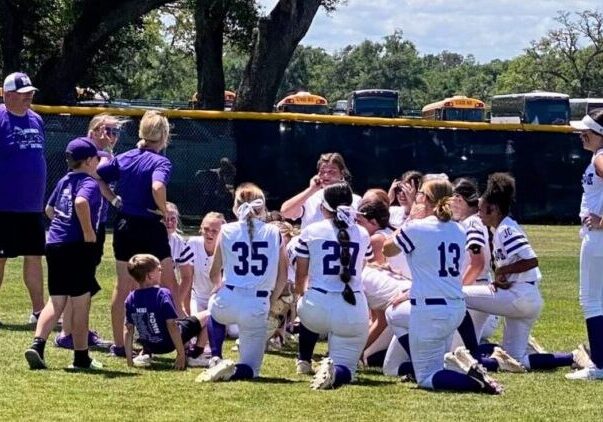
246,207
347,214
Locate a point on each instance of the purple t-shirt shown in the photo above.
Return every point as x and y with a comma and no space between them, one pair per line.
22,162
65,227
135,171
148,310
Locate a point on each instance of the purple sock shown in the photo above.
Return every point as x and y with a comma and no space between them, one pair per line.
403,340
342,376
242,372
216,333
307,342
594,328
376,359
550,360
486,349
467,332
446,379
406,368
490,364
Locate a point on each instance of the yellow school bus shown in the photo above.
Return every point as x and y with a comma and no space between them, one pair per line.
303,102
458,108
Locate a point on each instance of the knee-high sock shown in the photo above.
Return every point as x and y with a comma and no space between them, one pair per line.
216,333
550,360
446,379
242,372
307,342
467,332
403,340
342,376
594,328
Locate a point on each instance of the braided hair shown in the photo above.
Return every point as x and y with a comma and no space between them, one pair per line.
247,193
334,196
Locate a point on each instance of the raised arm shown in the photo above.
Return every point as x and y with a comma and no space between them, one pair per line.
292,208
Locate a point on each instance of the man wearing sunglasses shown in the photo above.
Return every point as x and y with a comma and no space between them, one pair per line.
22,185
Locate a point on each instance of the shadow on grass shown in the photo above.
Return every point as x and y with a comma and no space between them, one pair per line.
368,382
22,327
105,373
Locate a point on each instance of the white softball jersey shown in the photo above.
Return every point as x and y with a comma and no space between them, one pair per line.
397,263
291,258
250,263
477,235
592,186
319,242
510,245
311,212
380,286
202,285
397,215
181,252
435,252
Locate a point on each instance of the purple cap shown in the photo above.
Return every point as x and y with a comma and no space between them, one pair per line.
80,149
18,82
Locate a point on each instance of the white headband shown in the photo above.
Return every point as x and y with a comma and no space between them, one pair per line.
345,213
588,123
246,207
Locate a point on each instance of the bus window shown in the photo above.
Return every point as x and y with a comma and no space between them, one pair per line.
303,102
538,107
373,103
457,108
581,106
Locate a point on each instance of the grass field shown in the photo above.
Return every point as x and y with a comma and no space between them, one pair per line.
163,394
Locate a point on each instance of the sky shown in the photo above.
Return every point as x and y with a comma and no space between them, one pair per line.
487,29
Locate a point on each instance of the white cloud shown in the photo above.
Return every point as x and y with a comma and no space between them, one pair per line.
487,29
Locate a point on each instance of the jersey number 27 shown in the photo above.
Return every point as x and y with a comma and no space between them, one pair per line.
250,258
331,260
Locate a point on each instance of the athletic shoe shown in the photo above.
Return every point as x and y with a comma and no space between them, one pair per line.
452,363
142,361
34,359
325,375
213,361
465,358
274,344
408,378
487,384
94,366
235,348
303,367
586,374
223,371
94,340
581,358
506,362
198,362
534,347
64,341
117,351
33,319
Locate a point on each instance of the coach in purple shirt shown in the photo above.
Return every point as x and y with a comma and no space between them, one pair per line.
142,175
22,185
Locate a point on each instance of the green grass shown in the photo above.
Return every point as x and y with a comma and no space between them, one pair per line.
163,394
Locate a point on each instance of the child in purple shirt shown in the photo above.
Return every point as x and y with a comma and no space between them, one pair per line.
73,208
151,310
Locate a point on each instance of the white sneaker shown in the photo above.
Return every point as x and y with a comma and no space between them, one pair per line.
534,347
586,374
221,372
142,361
464,357
506,362
581,358
453,364
198,362
303,367
274,344
325,376
213,361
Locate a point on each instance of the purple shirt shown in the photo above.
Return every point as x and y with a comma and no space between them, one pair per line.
148,310
22,162
135,171
65,227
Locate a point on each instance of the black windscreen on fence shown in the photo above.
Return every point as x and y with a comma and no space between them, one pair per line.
280,156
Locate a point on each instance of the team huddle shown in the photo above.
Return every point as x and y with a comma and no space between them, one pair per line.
413,280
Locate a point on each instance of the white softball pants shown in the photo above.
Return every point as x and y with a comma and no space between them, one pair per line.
591,274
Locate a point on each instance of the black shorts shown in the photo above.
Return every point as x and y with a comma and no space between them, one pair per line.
189,327
21,234
133,235
71,269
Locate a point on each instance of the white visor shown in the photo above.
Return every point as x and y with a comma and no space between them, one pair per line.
587,123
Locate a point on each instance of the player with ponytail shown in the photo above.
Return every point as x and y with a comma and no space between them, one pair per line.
330,257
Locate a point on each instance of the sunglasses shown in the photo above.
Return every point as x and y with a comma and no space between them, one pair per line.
112,131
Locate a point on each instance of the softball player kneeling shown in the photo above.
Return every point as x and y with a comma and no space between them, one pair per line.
253,258
330,256
434,247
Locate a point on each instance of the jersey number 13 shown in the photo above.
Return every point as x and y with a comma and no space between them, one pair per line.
449,254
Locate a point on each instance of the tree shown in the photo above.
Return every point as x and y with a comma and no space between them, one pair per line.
274,41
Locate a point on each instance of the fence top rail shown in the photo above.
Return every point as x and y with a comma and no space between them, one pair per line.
298,117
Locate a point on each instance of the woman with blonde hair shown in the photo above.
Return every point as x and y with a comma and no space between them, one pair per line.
141,175
249,273
434,246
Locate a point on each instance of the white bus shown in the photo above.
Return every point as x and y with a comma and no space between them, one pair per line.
537,108
581,106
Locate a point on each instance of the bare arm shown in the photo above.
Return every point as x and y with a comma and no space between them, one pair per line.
186,284
49,211
377,326
520,266
301,275
128,339
82,210
377,241
160,196
477,261
281,279
177,340
215,273
389,246
292,208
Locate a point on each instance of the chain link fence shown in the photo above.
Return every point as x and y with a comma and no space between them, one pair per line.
211,155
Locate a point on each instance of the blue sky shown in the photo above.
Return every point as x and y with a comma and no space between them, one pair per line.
484,28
